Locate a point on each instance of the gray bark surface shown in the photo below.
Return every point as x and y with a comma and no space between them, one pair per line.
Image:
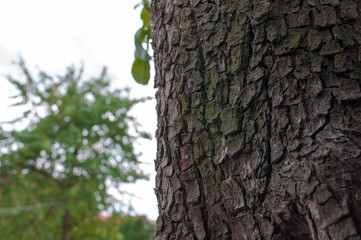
259,119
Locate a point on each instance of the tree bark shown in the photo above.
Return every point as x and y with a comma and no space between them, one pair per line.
259,119
66,226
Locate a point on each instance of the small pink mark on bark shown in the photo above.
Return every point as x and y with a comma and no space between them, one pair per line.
185,163
289,165
192,82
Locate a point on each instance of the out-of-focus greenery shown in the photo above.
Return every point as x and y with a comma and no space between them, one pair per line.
77,141
141,65
136,228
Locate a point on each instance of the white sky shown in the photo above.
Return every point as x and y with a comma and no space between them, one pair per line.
53,34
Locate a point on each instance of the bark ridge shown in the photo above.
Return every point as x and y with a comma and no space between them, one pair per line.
259,119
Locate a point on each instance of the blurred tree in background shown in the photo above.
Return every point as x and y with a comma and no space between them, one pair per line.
136,228
55,174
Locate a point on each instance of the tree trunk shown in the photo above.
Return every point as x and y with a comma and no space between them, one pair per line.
259,119
66,226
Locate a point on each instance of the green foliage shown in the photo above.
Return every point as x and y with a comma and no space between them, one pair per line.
76,144
95,228
141,71
141,66
136,228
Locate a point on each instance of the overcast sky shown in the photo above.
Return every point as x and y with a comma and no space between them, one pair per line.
53,34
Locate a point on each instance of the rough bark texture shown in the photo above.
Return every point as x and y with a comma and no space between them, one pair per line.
259,119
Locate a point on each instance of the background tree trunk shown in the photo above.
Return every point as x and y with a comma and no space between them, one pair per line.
259,119
66,226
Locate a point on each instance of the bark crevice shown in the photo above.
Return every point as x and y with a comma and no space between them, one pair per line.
258,119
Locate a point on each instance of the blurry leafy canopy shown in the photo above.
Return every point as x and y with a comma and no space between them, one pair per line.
141,66
136,228
78,142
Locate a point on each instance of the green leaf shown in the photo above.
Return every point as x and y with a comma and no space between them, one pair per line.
141,53
146,136
145,16
139,39
141,66
141,71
